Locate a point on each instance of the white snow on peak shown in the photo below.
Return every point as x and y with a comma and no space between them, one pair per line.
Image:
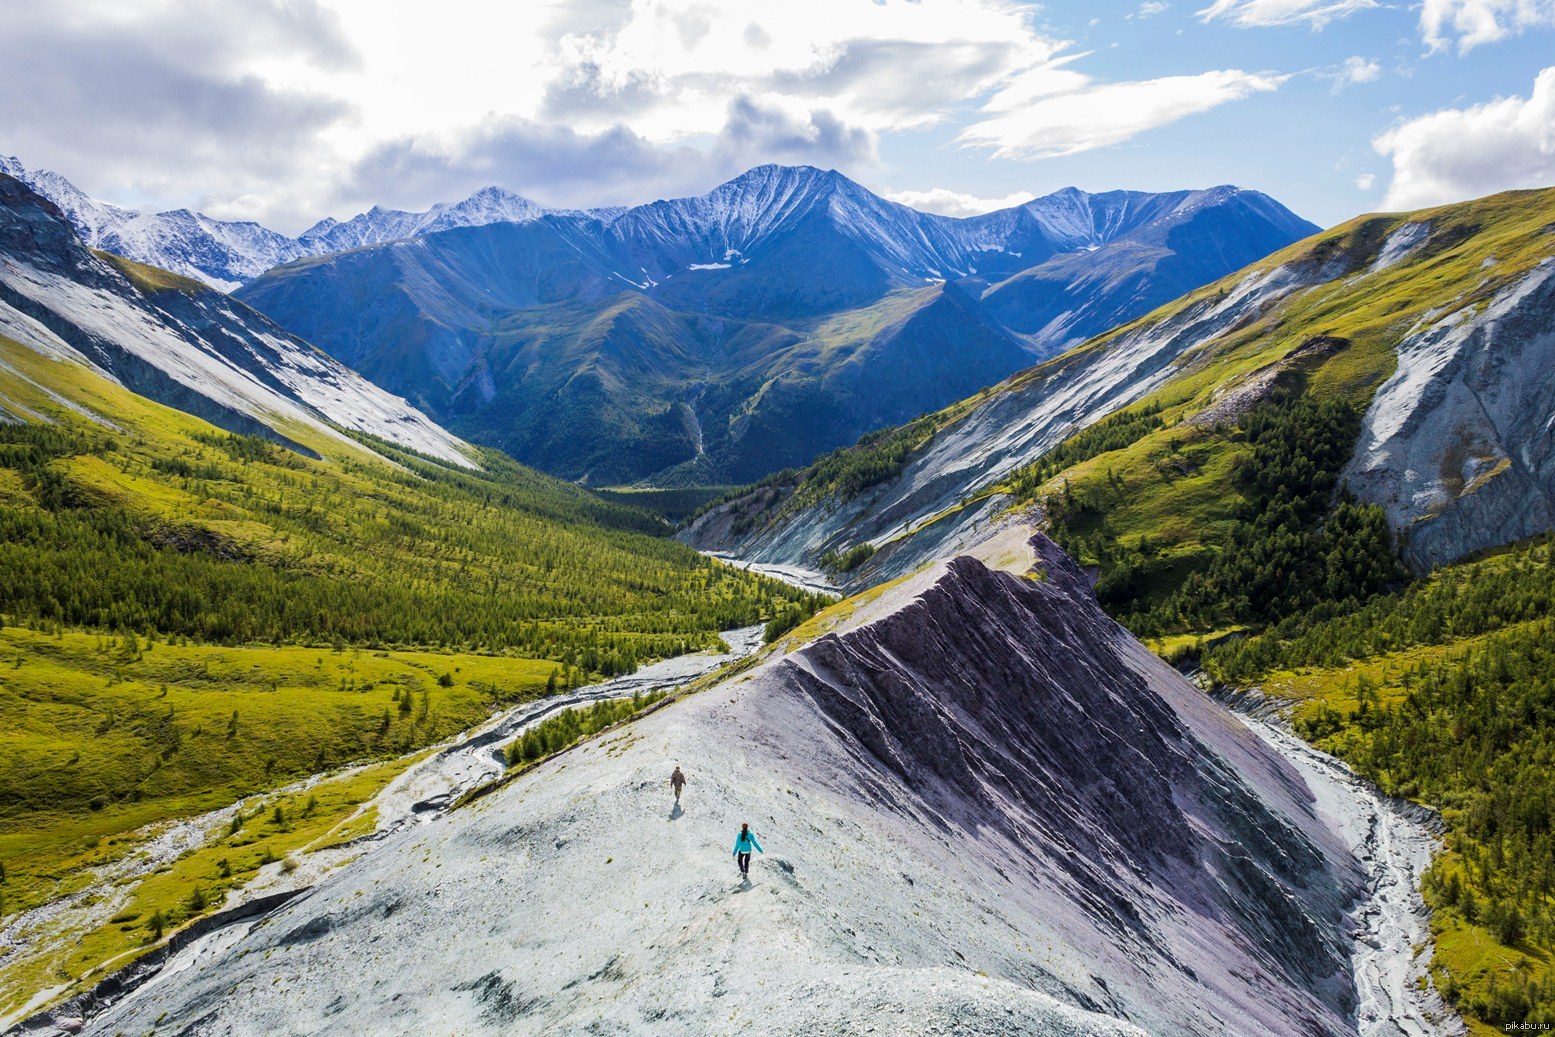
486,206
225,254
735,220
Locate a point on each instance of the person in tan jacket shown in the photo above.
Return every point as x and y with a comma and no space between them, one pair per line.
677,782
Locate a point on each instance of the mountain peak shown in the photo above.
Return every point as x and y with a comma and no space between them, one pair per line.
771,175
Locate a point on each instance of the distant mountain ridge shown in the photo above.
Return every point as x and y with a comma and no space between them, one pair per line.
1434,325
225,253
177,342
705,339
782,314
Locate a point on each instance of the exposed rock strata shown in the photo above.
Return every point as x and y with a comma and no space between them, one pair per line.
985,810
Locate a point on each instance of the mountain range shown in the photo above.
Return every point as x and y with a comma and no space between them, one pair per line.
1433,326
225,253
721,337
174,340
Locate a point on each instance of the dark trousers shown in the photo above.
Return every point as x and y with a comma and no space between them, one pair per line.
745,862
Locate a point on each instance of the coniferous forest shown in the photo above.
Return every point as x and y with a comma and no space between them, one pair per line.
295,551
191,618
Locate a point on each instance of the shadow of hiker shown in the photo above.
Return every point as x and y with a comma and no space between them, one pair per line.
675,811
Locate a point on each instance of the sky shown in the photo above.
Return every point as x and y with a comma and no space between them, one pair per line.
286,111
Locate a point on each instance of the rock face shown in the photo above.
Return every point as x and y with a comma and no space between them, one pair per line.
984,808
781,315
1459,444
184,345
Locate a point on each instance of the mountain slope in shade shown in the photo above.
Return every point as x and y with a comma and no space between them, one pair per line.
225,253
1436,323
180,343
493,329
984,809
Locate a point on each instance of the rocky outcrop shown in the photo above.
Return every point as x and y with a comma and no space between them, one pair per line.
1459,444
184,345
984,809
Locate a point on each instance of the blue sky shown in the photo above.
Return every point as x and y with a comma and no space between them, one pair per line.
1309,141
284,111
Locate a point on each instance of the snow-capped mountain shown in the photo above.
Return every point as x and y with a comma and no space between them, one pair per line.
225,254
737,222
782,314
488,205
175,341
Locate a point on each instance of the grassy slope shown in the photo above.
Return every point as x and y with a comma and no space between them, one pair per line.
150,279
106,732
504,559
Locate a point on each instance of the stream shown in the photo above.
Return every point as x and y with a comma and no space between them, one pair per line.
1393,841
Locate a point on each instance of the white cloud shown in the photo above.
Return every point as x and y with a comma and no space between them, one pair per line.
1257,13
1090,115
291,108
1149,9
1465,153
1366,181
885,65
946,202
1355,70
1473,22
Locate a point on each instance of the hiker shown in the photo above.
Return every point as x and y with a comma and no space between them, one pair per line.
743,844
677,782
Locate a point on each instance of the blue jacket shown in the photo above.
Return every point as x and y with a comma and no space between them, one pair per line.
745,842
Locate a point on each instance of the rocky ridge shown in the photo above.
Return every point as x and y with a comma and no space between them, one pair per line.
182,344
984,808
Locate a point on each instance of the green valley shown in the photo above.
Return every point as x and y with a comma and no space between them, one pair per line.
191,618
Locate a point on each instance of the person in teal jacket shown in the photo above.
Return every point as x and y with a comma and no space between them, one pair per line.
743,844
